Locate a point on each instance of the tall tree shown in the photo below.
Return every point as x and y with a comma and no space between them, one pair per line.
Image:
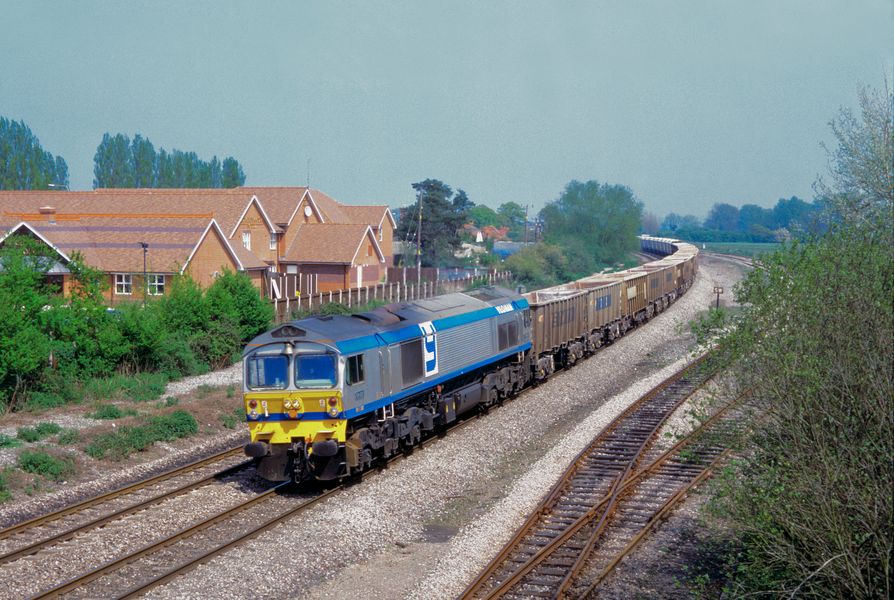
120,162
649,223
231,173
144,162
441,220
751,215
482,215
862,164
24,165
113,163
594,223
722,216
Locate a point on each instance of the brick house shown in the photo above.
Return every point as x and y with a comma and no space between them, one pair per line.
203,232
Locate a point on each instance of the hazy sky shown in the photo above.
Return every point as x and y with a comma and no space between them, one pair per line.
688,103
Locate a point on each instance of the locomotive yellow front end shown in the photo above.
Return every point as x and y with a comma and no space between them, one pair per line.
293,407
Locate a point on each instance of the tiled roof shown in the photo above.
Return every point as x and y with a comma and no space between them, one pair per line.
279,202
327,243
371,215
113,244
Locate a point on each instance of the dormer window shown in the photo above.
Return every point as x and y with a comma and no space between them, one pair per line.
246,239
273,241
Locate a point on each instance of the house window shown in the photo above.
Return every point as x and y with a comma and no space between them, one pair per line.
380,233
246,239
123,284
156,285
273,241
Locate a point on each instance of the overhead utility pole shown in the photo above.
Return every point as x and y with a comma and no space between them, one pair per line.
419,245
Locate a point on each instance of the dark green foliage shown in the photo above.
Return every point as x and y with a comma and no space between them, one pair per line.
46,465
24,165
442,219
595,224
129,439
69,437
812,502
55,351
539,266
110,411
5,494
38,432
122,163
7,441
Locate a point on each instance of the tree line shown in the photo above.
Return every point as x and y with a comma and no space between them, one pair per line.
24,164
589,227
747,223
119,162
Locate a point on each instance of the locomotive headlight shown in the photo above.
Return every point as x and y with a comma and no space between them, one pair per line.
287,404
333,407
253,414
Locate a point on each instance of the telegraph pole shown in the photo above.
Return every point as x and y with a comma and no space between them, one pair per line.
419,245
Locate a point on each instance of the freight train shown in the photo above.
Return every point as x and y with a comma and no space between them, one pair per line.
326,397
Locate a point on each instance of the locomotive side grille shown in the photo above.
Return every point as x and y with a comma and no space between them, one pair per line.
464,345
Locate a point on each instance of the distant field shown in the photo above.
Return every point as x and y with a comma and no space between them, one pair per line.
739,248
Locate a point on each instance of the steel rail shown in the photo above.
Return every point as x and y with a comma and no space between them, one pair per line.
195,562
114,564
669,505
561,486
625,486
121,491
128,510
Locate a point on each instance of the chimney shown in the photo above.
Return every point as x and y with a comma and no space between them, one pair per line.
50,213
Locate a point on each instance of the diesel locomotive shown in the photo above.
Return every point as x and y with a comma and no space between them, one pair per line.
327,396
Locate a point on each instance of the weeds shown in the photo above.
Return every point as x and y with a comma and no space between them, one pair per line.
126,440
46,465
69,437
38,432
7,441
110,411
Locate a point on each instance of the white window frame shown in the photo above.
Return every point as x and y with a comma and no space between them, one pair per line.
381,234
123,284
246,239
156,284
273,241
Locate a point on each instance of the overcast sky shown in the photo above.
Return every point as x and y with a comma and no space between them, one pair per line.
687,103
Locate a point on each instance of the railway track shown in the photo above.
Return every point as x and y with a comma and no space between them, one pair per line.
608,495
34,535
158,562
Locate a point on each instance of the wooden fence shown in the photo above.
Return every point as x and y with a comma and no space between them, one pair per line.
288,307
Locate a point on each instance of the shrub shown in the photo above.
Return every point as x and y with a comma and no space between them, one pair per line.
812,502
7,441
110,411
38,432
69,437
129,439
42,463
5,494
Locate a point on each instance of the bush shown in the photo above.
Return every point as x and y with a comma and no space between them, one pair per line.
7,441
110,411
812,502
5,494
69,437
42,463
38,432
129,439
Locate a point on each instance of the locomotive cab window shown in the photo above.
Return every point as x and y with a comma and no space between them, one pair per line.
315,371
267,370
354,370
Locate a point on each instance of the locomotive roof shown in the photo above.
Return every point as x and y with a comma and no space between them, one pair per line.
393,317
